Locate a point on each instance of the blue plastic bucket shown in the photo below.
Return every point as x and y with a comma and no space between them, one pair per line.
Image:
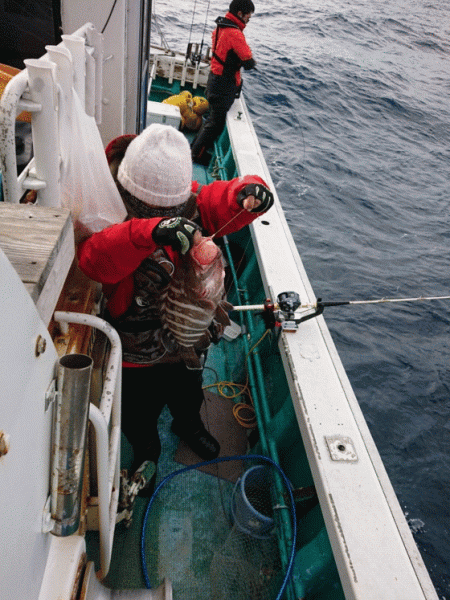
251,505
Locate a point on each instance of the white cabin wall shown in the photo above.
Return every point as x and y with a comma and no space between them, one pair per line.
132,72
121,42
25,423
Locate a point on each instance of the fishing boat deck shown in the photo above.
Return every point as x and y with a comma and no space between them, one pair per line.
185,540
194,536
189,534
179,537
200,174
327,414
340,526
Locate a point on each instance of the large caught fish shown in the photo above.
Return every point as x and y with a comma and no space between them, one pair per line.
195,296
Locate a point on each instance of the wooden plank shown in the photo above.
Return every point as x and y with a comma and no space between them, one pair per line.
54,282
80,294
39,242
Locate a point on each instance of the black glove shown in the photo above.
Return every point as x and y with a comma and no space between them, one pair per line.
249,64
260,192
177,232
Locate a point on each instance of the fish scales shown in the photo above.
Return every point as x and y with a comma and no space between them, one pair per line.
195,296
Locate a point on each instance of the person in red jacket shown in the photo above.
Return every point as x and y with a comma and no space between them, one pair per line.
135,260
230,52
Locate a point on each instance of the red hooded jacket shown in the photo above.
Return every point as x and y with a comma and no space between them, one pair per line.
227,40
112,255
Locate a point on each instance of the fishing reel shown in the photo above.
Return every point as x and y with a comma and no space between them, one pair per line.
288,303
284,312
197,53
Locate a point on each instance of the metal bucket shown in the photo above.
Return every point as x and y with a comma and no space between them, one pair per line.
252,503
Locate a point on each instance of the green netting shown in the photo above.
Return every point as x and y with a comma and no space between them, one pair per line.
216,539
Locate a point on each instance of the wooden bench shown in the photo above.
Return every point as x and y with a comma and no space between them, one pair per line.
39,243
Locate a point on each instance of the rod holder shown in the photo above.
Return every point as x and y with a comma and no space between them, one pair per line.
70,418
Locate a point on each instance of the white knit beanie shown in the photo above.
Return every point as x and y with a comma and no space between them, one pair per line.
157,167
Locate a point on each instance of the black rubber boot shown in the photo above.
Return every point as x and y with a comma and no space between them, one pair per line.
199,441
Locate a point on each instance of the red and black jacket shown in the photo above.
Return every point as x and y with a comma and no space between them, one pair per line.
230,50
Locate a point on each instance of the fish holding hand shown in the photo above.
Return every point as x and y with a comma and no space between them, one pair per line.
194,298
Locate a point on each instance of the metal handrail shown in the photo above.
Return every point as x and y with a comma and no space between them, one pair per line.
106,422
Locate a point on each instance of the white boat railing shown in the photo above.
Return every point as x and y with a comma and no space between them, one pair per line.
76,62
106,423
175,65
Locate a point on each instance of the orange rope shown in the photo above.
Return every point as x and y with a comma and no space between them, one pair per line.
248,420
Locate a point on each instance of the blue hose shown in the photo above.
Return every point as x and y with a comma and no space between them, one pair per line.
212,462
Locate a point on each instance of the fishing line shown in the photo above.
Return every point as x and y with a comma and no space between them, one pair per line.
226,224
239,408
226,242
238,265
248,420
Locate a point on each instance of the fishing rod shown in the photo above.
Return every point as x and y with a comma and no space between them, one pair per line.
288,303
342,303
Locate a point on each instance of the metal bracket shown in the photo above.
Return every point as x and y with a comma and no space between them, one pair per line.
47,521
341,448
130,488
51,394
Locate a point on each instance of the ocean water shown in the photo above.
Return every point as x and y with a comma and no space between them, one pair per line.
351,103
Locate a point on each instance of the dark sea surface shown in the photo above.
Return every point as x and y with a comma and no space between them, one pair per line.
351,103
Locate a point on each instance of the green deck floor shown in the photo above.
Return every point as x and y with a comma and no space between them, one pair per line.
190,537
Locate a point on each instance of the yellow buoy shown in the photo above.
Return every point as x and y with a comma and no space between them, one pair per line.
193,122
200,106
190,109
179,101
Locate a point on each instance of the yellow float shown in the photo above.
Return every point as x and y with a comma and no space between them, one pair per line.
191,109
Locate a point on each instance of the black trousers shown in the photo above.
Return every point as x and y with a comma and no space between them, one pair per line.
221,93
145,392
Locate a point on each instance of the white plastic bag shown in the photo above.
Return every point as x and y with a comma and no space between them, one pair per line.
87,186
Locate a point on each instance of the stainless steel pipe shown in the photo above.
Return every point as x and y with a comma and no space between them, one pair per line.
70,418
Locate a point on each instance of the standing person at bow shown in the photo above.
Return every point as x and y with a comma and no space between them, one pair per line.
230,52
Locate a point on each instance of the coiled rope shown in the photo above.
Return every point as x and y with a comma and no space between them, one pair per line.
243,412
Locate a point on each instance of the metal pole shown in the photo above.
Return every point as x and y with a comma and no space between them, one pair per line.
69,441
